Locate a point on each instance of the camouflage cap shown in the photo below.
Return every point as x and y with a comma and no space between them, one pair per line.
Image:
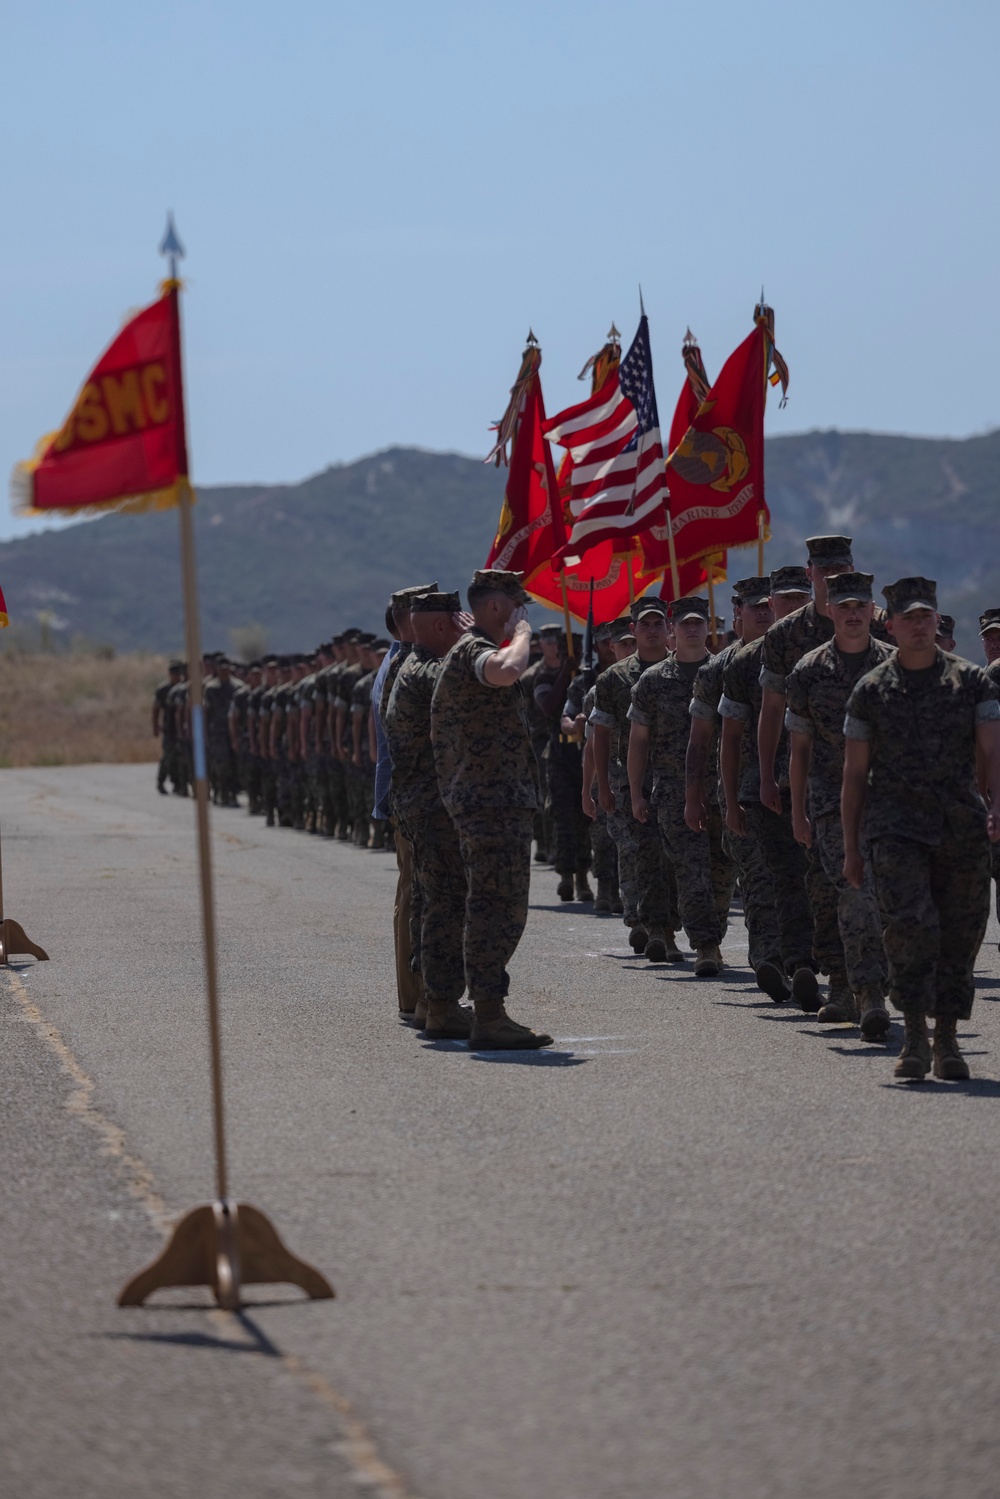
175,666
740,587
790,580
381,644
754,590
436,602
549,632
351,636
271,661
850,588
402,598
365,637
989,620
946,624
829,551
910,593
649,604
493,579
692,607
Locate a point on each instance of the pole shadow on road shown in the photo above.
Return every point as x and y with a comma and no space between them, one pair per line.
974,1087
543,1058
256,1340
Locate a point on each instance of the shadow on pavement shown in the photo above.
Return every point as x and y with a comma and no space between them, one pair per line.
531,1058
976,1087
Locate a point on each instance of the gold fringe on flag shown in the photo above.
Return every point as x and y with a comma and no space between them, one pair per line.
506,427
763,316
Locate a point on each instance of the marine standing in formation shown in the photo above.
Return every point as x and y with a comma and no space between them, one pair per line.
838,763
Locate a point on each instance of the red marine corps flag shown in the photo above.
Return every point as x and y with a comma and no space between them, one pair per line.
123,446
531,527
716,466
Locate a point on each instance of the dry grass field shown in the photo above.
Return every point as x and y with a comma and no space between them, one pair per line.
77,708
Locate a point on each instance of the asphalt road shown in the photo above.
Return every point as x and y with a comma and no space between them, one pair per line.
702,1249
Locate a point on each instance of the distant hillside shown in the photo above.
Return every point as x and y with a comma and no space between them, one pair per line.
305,559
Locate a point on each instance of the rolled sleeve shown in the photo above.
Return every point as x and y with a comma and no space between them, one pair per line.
698,709
772,681
796,724
730,708
987,710
479,666
856,728
637,716
598,716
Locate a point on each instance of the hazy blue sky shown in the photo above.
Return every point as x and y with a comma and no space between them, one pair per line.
378,199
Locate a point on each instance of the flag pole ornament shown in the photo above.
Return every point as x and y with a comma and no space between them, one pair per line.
124,447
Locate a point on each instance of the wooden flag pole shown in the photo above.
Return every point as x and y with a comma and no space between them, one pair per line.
12,935
710,571
567,621
675,576
223,1244
760,543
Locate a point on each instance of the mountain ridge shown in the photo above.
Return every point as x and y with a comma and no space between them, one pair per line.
302,559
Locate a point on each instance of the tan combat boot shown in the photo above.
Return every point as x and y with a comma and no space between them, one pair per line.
583,890
841,1007
447,1020
915,1058
493,1030
637,938
674,954
949,1064
656,945
708,962
564,889
875,1020
605,896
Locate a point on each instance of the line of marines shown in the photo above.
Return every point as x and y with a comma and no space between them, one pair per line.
834,762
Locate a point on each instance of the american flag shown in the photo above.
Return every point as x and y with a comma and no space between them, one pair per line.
619,484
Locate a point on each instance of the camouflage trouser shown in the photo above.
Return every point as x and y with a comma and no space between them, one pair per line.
757,895
180,768
541,822
440,876
646,874
704,870
222,769
496,853
934,903
284,790
269,786
605,854
786,863
250,779
166,761
338,795
857,910
571,825
824,902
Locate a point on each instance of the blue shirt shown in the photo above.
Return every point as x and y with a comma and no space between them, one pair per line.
383,765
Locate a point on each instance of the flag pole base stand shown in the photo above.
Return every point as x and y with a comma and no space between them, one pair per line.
225,1245
13,939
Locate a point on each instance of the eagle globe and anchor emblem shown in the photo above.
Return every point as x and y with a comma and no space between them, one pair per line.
717,458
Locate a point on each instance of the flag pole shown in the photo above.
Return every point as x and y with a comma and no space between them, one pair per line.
710,570
224,1244
675,576
760,543
567,621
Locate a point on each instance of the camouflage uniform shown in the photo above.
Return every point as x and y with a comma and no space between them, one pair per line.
419,812
221,760
352,777
534,676
239,715
784,859
785,643
649,892
703,870
756,889
488,782
570,824
604,853
993,672
927,825
312,792
363,776
255,785
160,698
816,691
180,774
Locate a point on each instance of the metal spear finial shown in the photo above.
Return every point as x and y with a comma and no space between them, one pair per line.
171,246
